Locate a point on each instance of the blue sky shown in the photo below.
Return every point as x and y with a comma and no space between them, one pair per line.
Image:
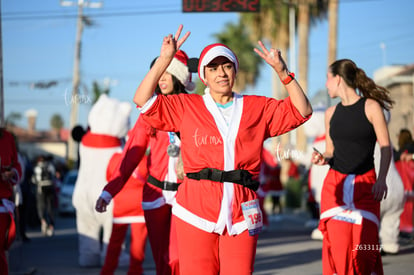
39,38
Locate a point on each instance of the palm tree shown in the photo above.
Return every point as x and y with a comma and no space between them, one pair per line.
272,24
333,34
309,13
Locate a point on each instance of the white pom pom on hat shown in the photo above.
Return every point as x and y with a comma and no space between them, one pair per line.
178,67
212,51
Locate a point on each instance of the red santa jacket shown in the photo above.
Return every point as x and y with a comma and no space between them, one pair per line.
127,203
8,161
142,137
209,142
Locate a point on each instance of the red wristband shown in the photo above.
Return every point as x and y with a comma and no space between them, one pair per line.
288,79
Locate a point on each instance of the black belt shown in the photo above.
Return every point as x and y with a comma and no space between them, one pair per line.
164,185
242,177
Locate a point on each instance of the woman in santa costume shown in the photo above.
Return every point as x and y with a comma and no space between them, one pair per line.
217,212
127,212
162,183
352,191
10,174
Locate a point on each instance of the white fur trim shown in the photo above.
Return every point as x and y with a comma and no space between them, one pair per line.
180,71
193,219
129,219
148,104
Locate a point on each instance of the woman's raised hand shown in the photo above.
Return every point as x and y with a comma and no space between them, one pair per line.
171,44
272,57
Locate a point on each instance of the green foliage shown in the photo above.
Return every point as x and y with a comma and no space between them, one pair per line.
56,122
294,193
98,91
236,37
199,87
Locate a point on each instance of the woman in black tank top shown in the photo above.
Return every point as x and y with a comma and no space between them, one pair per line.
352,191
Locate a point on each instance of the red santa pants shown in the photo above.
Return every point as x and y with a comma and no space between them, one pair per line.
137,248
350,243
5,240
206,253
162,236
351,248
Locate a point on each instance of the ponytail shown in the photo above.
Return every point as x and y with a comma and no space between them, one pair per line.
358,80
369,89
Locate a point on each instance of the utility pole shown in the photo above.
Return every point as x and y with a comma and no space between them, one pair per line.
332,36
292,54
72,150
1,75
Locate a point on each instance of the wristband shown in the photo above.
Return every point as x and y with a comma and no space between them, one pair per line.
288,79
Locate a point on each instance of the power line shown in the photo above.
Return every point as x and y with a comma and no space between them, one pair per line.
40,12
65,16
58,14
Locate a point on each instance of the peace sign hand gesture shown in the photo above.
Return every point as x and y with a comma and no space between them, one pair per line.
272,57
171,44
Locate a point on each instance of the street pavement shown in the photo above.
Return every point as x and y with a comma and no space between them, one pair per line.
284,248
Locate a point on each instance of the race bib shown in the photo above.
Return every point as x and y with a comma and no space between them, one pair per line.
253,216
349,216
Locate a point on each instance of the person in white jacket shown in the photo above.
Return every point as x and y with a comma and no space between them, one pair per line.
392,206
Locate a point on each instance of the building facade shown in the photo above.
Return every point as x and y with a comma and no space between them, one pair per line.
399,81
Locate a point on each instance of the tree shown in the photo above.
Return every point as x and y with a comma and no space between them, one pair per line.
98,91
272,24
333,34
309,13
56,123
199,87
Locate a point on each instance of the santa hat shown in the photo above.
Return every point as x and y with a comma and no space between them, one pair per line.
178,68
212,51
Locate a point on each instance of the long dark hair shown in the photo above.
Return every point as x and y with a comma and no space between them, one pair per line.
404,138
357,79
178,88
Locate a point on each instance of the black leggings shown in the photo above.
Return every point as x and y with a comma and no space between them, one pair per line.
45,202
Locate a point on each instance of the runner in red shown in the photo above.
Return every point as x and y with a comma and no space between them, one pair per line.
351,193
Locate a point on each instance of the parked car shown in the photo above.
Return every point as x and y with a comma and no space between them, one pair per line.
65,205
